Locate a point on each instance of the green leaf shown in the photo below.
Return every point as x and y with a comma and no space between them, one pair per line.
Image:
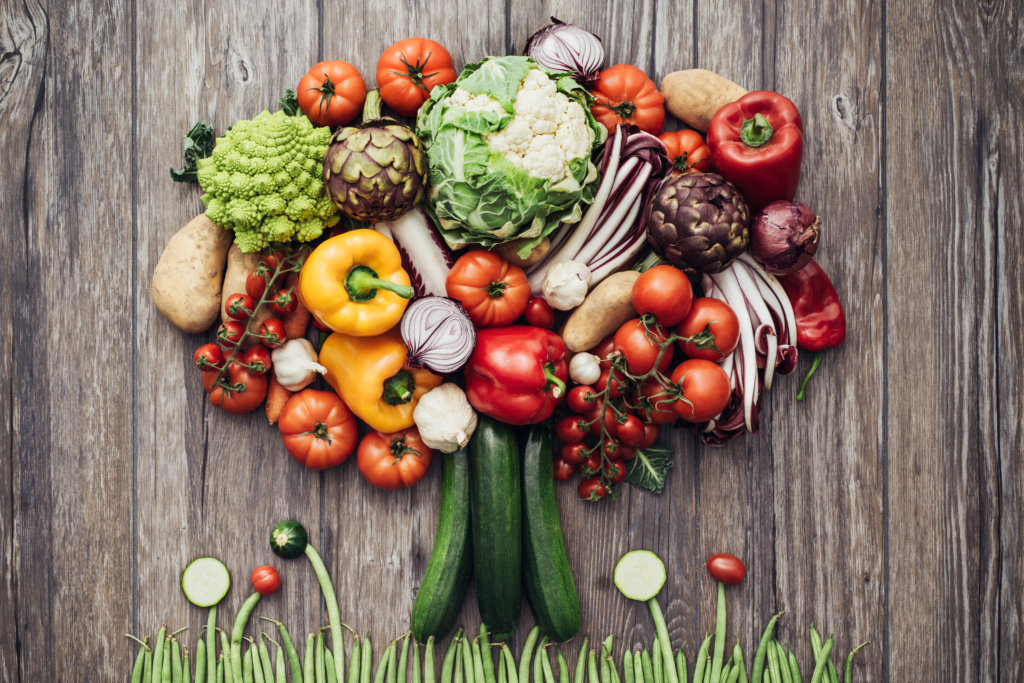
498,77
649,468
198,144
290,103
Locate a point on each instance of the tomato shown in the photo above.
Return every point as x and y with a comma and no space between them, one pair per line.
571,429
318,429
593,416
493,291
591,464
618,386
687,150
626,95
409,70
273,331
563,470
258,359
724,325
580,399
332,93
641,353
257,280
604,350
706,390
209,356
651,434
611,447
573,453
539,313
284,301
249,393
650,399
239,306
230,333
627,452
394,461
615,470
631,432
665,293
319,326
274,259
726,568
592,489
265,580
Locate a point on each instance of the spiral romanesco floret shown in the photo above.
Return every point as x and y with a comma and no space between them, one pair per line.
264,182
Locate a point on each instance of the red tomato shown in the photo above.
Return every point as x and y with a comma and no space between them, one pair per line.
571,429
409,70
593,416
580,399
618,386
209,356
273,330
539,313
726,568
665,293
724,325
706,390
627,452
631,432
230,333
641,353
265,580
611,447
604,350
284,301
658,402
573,453
332,93
318,429
651,433
274,259
626,95
258,359
248,396
592,489
687,150
239,306
493,291
563,470
320,326
591,464
394,461
257,280
615,470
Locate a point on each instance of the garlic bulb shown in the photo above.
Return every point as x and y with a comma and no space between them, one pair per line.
445,418
584,368
566,284
295,364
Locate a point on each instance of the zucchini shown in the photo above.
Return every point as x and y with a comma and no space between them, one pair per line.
497,518
439,598
547,576
639,575
288,539
205,581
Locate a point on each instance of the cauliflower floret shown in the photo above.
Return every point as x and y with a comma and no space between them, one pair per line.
464,98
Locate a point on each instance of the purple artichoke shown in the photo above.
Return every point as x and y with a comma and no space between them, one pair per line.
698,222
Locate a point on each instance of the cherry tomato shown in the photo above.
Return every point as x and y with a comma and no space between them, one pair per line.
265,580
493,291
724,325
209,356
319,326
394,461
284,301
230,333
248,396
274,259
591,464
332,93
726,568
626,95
618,386
593,416
611,447
631,432
257,280
581,399
656,405
604,350
706,390
651,433
664,292
687,150
571,429
573,453
592,489
255,356
239,306
615,470
539,313
641,353
627,453
409,70
563,469
273,330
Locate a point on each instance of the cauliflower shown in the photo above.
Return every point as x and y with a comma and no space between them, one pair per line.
263,181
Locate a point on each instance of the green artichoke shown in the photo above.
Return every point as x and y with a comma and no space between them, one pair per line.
698,222
377,171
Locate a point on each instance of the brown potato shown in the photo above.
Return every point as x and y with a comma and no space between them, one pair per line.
695,95
187,279
507,251
239,265
605,309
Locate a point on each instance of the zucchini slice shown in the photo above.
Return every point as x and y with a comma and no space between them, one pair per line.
639,575
205,581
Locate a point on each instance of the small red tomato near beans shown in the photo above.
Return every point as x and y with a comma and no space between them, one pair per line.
230,333
724,325
272,331
641,353
539,313
592,489
664,292
284,301
209,356
726,568
615,471
266,580
573,453
706,390
570,429
563,470
581,399
651,433
255,357
239,306
631,432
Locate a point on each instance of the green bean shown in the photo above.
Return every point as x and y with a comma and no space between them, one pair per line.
448,664
403,661
321,665
538,671
247,675
716,663
773,663
485,652
392,664
257,665
657,669
510,664
211,648
762,648
734,675
707,671
428,661
724,676
331,598
822,661
592,667
467,661
229,669
638,667
175,661
848,674
563,669
526,654
236,634
701,662
606,651
366,659
502,669
681,666
289,647
332,672
645,659
627,667
140,663
186,668
581,660
219,671
147,668
165,664
158,654
545,662
201,669
614,670
268,669
783,660
833,677
385,665
416,660
741,667
353,667
279,658
458,661
478,661
794,667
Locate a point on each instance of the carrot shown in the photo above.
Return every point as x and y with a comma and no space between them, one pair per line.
277,397
296,322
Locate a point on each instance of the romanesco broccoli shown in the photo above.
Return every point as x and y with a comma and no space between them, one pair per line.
264,181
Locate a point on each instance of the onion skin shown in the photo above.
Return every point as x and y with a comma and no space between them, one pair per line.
567,48
784,236
439,335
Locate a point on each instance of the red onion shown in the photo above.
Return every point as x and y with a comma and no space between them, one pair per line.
784,236
567,48
439,334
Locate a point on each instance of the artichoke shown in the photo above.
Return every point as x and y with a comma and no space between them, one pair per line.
376,171
698,222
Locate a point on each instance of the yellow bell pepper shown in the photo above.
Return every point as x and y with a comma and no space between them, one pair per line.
370,375
354,283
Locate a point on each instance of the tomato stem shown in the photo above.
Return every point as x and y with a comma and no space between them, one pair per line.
414,72
496,289
624,110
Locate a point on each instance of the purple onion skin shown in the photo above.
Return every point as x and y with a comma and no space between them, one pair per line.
784,236
584,67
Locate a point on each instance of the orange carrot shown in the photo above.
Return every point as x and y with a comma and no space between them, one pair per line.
296,322
277,397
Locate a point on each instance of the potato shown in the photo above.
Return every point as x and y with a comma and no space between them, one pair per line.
187,279
507,251
695,95
605,309
239,265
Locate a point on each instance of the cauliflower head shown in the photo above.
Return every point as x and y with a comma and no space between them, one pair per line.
263,181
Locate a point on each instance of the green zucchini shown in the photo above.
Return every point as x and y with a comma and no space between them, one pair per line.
497,545
288,539
439,598
547,576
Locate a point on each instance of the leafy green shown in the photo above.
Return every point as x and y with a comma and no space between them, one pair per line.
649,468
198,144
289,104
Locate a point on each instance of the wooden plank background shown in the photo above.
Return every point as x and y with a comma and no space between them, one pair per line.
886,507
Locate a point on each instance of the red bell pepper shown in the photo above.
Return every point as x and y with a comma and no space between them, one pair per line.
516,374
757,144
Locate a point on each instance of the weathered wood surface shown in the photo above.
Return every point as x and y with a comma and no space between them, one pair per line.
886,507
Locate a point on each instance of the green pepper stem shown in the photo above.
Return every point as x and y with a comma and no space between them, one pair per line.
756,132
398,389
553,381
818,355
362,284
